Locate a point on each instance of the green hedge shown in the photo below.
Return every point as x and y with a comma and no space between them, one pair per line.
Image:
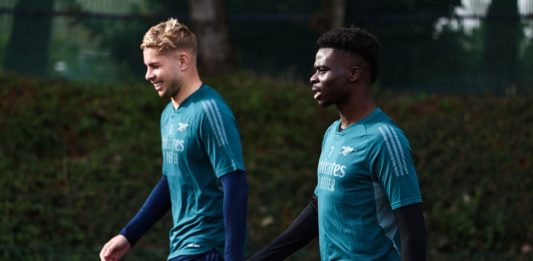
77,161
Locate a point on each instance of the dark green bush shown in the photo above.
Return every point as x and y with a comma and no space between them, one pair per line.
77,161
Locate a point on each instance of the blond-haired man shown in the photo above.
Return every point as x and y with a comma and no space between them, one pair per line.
203,180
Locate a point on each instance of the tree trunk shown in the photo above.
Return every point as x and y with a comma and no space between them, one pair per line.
209,22
502,36
338,13
27,49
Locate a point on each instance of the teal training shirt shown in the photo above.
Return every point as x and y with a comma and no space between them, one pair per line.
365,171
200,143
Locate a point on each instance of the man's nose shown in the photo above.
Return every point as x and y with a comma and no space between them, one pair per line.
313,78
149,75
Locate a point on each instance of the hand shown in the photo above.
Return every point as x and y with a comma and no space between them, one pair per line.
115,249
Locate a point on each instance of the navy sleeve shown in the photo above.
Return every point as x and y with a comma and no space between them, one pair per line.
154,208
235,208
297,235
413,234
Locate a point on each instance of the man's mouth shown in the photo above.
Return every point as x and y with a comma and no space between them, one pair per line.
317,92
157,85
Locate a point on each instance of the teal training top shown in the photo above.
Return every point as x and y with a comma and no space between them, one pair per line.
201,143
365,171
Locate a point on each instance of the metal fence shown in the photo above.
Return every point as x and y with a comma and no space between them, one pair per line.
98,42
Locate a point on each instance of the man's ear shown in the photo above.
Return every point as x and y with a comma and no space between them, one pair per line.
184,60
355,73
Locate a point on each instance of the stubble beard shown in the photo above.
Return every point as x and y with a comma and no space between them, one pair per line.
173,89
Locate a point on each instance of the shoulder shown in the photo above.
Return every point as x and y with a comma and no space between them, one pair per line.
210,101
211,112
382,129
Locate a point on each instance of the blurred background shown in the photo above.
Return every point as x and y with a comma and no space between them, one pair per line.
468,46
79,125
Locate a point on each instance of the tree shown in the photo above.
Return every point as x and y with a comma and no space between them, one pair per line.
209,22
207,18
405,29
331,14
502,36
338,13
27,48
526,67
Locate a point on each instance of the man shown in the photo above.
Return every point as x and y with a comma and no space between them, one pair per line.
368,201
203,180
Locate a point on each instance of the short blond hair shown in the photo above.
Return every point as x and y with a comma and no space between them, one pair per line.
170,35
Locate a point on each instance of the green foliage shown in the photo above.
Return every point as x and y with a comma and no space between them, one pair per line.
411,55
77,161
70,161
501,54
122,39
473,155
30,38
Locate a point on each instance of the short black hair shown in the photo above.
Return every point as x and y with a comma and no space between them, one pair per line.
356,41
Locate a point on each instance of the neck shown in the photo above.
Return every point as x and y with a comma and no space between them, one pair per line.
188,88
355,108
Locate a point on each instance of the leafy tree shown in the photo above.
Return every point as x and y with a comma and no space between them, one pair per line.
27,48
502,36
210,24
405,29
206,18
455,65
331,14
526,67
338,13
123,36
275,37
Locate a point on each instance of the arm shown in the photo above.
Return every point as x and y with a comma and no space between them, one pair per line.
235,207
412,232
155,206
297,235
391,161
